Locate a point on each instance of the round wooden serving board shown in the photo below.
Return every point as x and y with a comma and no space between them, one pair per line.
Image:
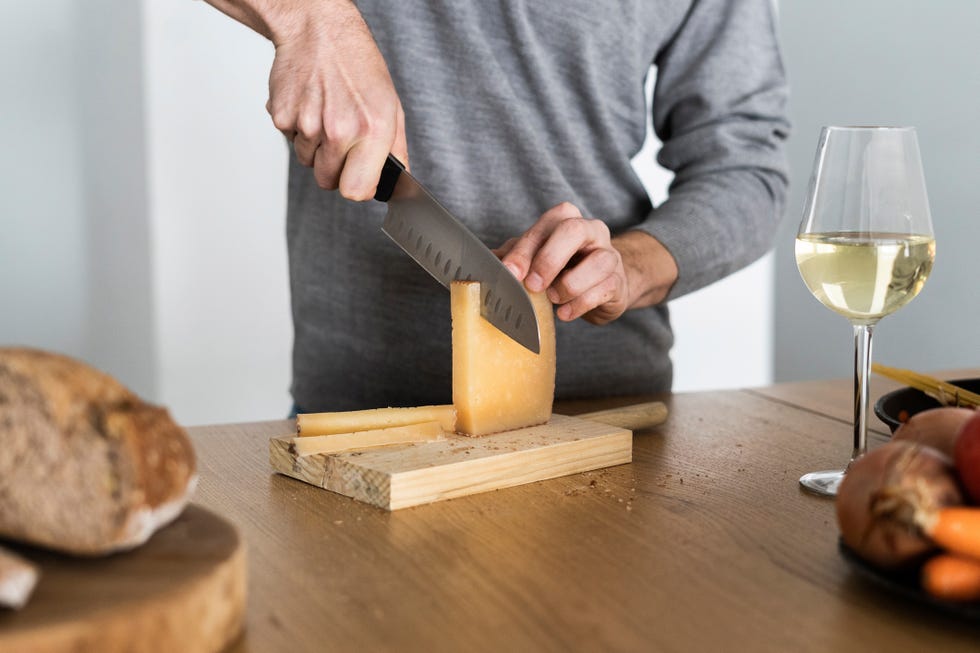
184,590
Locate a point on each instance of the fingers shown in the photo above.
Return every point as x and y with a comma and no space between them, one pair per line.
296,117
570,238
594,288
305,148
345,154
600,304
326,169
330,93
521,254
362,168
546,249
501,253
578,279
505,248
573,260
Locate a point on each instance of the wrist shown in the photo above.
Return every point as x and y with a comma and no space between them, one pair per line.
650,268
285,21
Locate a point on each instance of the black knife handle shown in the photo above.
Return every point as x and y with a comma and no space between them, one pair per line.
389,177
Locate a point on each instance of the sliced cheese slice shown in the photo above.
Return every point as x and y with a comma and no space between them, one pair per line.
498,385
310,424
340,442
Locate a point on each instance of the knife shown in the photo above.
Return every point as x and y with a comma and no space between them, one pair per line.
449,251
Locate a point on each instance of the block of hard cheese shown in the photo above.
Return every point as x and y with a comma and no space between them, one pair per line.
498,384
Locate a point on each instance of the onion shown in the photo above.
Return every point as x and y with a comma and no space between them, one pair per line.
883,495
936,427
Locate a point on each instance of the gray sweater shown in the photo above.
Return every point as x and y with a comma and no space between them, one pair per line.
512,107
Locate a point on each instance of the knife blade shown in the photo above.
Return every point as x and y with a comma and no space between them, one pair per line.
448,251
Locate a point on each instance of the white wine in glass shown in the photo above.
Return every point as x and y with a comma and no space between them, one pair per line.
865,246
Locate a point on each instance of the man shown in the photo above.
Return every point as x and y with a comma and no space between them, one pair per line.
521,118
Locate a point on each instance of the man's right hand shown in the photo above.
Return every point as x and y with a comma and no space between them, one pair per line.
330,92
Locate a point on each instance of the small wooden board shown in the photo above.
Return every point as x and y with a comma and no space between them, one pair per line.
184,590
409,475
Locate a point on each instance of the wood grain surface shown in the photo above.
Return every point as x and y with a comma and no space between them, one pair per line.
704,542
836,399
408,475
184,590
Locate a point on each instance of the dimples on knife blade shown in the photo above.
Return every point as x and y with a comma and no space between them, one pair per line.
449,251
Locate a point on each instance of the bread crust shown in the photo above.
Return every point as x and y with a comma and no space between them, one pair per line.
86,466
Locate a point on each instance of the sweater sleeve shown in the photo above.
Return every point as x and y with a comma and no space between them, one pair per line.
719,107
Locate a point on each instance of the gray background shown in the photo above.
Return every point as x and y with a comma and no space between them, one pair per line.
899,63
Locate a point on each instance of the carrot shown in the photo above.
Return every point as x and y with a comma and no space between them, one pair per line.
955,529
952,577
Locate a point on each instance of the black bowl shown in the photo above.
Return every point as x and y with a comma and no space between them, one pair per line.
912,401
906,583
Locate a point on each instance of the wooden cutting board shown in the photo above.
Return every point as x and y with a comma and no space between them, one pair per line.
184,590
400,476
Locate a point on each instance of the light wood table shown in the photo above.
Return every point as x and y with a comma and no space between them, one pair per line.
705,542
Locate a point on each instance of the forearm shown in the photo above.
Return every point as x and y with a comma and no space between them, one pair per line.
251,13
717,224
720,112
277,20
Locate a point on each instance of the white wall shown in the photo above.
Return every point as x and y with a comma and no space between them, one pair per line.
724,332
43,263
142,197
120,308
74,258
217,211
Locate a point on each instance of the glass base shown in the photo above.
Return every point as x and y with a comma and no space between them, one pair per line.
822,483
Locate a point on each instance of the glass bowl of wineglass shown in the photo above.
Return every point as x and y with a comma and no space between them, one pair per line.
865,246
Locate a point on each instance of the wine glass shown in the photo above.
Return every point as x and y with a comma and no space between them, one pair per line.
865,245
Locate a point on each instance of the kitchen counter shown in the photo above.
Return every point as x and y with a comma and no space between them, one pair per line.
704,542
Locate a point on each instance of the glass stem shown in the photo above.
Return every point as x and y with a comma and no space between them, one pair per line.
862,374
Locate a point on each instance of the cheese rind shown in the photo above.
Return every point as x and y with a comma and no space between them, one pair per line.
341,442
498,384
312,424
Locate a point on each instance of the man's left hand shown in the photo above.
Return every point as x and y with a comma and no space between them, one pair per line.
572,257
586,271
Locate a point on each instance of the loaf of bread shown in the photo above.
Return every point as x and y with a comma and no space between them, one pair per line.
86,467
